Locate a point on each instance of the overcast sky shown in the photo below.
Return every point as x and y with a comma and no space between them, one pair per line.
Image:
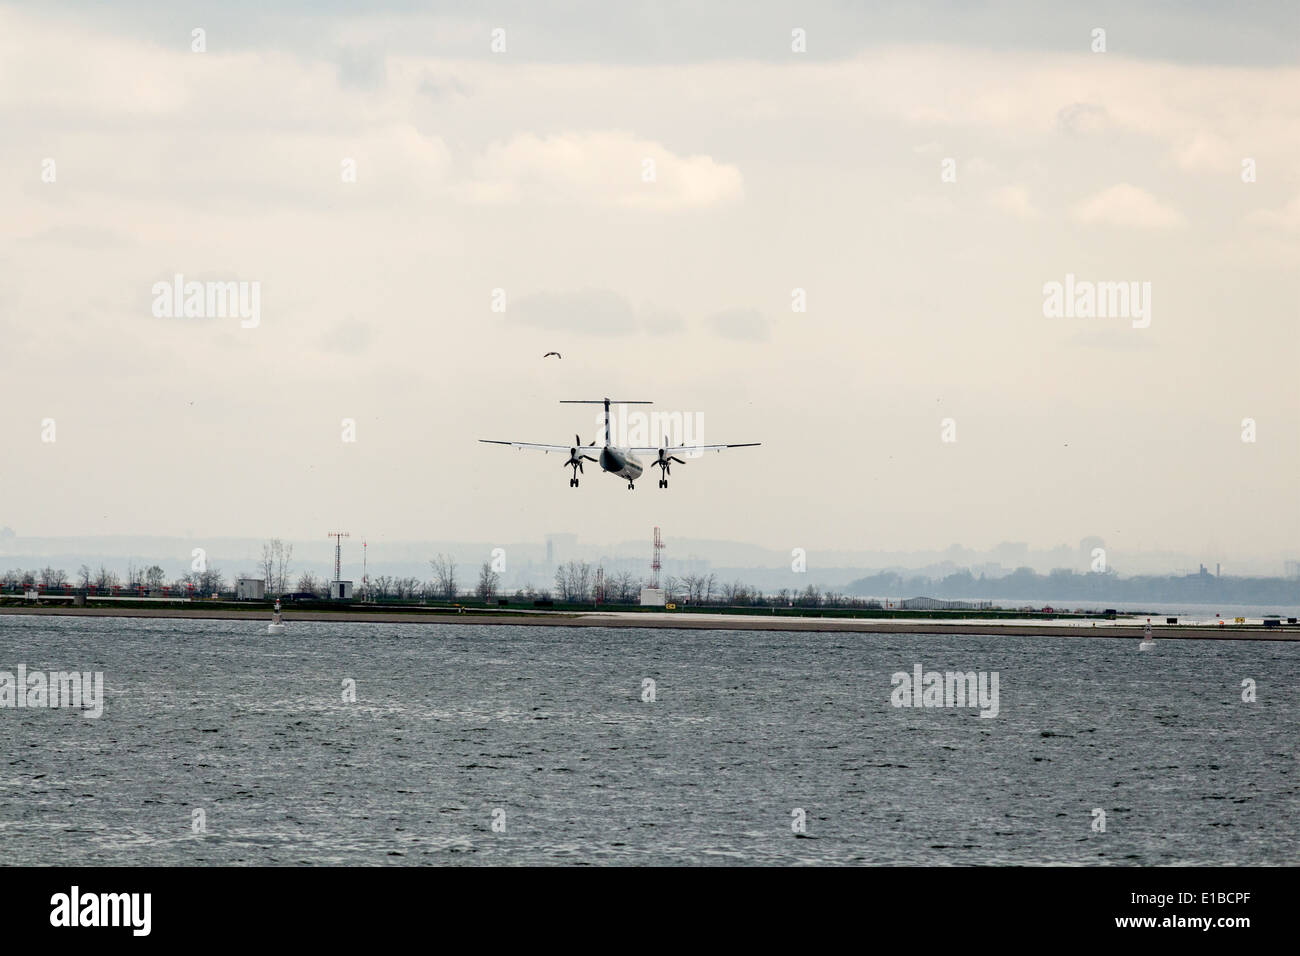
774,170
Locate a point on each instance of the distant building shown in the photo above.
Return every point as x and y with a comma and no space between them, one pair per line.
560,546
340,590
250,589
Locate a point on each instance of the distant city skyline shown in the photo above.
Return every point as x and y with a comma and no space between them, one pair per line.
237,555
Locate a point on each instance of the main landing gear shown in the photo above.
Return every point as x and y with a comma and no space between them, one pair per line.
664,461
631,487
575,460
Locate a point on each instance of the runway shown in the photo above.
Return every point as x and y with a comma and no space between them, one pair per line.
1128,628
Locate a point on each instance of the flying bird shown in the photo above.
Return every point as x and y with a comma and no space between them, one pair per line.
556,354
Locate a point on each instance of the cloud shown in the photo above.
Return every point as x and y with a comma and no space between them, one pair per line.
1126,205
592,311
657,321
1206,152
362,69
441,88
349,336
1014,200
741,325
600,168
1082,118
1287,218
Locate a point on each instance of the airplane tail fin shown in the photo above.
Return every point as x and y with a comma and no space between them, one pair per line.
603,401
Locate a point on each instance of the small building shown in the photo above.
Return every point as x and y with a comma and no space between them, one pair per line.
250,589
340,590
652,597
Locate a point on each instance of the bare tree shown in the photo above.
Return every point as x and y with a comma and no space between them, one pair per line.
581,580
83,576
573,581
444,576
212,581
488,581
810,597
267,565
735,594
307,582
104,578
154,577
282,568
274,566
693,587
623,587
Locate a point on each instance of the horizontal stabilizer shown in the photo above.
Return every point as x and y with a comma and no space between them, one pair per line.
601,401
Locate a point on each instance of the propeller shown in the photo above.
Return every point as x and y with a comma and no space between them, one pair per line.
575,459
665,458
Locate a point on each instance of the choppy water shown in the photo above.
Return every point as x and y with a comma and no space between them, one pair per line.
548,724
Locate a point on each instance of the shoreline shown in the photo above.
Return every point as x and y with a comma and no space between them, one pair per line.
732,622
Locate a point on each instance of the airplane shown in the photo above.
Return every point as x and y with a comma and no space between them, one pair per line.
621,462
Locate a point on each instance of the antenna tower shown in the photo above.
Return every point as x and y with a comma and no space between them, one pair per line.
338,537
656,564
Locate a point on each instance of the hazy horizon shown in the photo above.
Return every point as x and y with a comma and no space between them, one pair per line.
235,555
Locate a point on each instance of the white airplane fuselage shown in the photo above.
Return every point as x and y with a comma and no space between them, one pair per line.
621,462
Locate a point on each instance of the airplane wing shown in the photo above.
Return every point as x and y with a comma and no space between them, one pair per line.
690,451
563,449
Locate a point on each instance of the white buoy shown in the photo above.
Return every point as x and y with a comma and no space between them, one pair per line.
1148,642
276,626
